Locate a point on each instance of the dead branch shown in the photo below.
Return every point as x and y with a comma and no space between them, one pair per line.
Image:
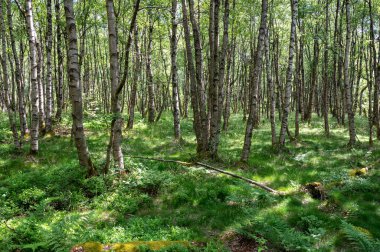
209,167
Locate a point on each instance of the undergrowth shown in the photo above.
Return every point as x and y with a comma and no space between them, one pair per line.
47,204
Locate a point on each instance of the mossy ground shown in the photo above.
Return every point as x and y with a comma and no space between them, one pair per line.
47,204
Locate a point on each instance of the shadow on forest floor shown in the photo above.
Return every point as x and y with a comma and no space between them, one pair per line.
47,200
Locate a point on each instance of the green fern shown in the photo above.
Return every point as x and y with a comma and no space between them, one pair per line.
359,238
278,233
67,232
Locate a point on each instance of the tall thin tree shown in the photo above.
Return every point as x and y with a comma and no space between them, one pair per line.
255,82
8,103
326,80
34,129
117,121
347,82
289,75
49,84
59,85
75,90
18,76
174,71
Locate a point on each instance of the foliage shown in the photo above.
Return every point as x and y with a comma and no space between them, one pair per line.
49,205
355,238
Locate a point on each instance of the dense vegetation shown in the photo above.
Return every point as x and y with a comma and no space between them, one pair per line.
47,201
189,125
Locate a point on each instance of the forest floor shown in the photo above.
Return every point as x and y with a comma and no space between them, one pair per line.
47,204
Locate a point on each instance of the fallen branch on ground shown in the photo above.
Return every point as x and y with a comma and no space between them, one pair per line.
209,167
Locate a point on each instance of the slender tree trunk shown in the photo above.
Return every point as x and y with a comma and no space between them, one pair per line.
18,76
289,74
75,91
272,98
41,91
197,88
117,120
34,131
347,82
213,72
326,84
335,62
314,78
297,82
230,78
255,82
49,85
149,75
370,100
59,89
277,75
200,87
136,73
216,74
185,109
174,72
376,70
8,103
197,123
301,70
340,85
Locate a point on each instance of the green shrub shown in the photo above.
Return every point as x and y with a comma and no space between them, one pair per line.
358,184
124,203
31,197
94,186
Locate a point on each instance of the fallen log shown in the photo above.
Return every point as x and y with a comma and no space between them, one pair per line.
209,167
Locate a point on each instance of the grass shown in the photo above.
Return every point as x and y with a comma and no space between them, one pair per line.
47,204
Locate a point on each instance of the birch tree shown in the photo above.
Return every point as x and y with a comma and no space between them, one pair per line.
8,102
174,71
75,90
34,129
289,75
255,82
347,81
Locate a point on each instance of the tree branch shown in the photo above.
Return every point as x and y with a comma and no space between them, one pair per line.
20,8
209,167
128,46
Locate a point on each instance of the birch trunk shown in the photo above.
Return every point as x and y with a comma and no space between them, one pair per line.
197,121
217,69
255,83
49,88
18,76
376,69
8,103
136,73
347,81
149,75
272,98
41,91
289,75
34,129
59,89
75,90
174,72
117,121
326,84
200,86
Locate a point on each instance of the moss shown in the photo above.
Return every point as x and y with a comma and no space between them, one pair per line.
126,247
358,172
88,247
